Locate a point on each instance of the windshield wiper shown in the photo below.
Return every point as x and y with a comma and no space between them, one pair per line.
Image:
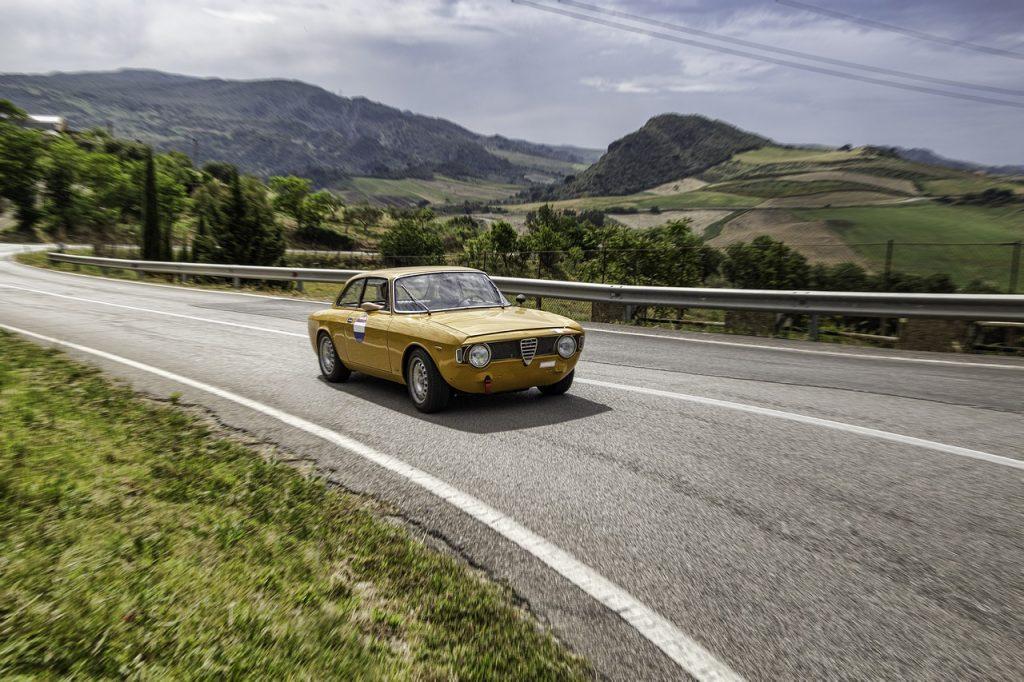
414,299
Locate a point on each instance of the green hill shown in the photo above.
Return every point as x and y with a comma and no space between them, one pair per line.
666,148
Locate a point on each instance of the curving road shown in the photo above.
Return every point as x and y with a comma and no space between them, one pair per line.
697,505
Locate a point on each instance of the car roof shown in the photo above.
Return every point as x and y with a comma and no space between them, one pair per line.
391,273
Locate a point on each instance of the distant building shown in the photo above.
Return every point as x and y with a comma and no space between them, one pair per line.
52,124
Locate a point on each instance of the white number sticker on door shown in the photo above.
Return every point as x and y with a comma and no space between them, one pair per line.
359,328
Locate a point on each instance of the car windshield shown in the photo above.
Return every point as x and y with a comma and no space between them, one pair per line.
446,291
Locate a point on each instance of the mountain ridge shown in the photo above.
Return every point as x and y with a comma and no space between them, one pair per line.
277,126
666,148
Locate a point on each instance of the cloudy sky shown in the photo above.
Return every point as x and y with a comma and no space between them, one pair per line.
499,67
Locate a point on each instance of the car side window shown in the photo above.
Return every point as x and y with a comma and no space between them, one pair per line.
376,292
349,298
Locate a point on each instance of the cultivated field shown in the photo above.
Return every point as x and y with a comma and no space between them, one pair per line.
811,237
439,190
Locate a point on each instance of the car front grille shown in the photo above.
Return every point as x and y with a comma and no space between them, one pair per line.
528,348
513,350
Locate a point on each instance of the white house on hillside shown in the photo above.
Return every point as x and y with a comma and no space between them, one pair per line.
53,124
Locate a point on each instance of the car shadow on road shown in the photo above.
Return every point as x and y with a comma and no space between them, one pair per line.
477,413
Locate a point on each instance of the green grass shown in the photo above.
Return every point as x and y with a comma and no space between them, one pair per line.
969,184
766,155
440,190
138,541
645,200
539,162
931,222
317,291
770,188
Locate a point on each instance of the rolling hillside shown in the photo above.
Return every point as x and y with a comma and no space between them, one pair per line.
666,148
832,205
271,127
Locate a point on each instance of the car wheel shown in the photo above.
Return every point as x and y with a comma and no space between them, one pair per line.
330,364
560,386
427,388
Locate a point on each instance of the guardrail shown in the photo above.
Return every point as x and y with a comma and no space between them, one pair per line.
995,307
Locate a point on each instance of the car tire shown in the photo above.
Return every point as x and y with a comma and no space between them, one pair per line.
428,390
560,386
330,364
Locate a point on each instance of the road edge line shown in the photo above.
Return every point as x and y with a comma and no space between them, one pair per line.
683,650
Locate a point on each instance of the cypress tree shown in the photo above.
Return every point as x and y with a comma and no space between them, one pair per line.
152,245
237,240
199,242
166,250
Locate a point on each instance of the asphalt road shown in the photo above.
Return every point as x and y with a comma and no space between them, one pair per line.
721,482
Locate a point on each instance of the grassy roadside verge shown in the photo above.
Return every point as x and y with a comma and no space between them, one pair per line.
313,291
138,540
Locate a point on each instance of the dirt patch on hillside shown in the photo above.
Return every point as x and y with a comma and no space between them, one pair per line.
699,219
677,187
516,220
895,184
811,238
824,199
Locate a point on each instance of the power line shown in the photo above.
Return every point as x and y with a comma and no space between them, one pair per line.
771,60
900,29
793,53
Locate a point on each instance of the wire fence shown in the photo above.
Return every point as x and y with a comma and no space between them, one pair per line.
970,266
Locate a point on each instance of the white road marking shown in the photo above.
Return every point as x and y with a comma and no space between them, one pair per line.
687,653
156,312
816,421
762,346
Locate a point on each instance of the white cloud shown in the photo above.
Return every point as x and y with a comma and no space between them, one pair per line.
242,16
655,84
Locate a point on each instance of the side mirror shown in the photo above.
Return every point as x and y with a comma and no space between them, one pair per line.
371,307
521,299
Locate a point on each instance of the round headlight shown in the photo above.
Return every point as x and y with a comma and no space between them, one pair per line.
566,346
479,355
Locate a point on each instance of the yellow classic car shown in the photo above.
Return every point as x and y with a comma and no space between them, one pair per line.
443,330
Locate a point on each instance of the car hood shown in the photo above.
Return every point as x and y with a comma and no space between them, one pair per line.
497,320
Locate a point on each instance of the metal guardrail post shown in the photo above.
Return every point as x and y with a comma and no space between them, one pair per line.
812,328
1015,268
887,273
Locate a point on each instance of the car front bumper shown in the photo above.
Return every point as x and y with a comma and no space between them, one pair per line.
509,375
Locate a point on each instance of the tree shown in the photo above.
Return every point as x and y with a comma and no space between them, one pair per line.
204,247
289,194
364,216
674,256
318,208
839,277
20,173
152,241
221,170
61,194
412,241
11,111
765,263
235,238
250,233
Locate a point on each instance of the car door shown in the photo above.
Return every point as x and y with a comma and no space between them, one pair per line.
366,333
346,309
